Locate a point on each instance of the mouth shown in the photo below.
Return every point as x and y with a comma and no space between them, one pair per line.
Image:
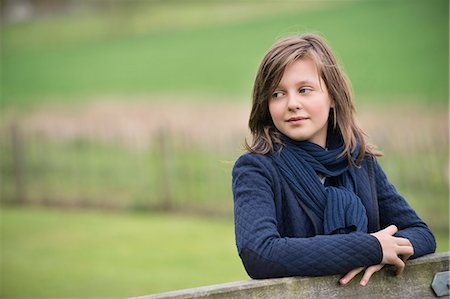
297,119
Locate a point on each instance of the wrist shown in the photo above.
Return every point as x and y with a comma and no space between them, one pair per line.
378,249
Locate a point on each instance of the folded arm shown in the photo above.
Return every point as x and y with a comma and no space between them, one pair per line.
266,254
395,210
404,236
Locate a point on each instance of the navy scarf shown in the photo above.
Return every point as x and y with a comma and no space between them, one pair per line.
338,207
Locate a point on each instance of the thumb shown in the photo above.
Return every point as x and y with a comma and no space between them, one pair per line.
391,229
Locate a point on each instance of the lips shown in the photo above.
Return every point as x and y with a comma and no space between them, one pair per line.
297,119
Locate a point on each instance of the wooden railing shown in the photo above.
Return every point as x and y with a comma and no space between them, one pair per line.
415,282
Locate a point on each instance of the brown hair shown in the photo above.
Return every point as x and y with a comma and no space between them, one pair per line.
270,72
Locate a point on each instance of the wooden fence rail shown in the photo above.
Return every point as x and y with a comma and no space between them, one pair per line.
92,173
414,282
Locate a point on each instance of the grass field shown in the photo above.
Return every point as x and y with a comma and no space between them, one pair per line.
390,49
75,254
90,173
196,54
191,169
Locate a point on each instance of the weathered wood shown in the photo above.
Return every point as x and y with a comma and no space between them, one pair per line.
414,282
166,170
18,162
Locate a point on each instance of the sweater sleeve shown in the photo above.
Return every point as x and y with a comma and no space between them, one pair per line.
394,209
265,254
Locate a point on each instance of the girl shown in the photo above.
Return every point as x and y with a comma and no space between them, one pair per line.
310,198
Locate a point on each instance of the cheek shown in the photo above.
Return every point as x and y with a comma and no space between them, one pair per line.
320,109
275,111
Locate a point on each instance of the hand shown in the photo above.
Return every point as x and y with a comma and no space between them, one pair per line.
396,251
367,274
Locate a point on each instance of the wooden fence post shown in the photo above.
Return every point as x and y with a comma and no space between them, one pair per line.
18,163
166,169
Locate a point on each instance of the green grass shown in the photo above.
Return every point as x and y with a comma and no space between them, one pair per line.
75,254
391,50
86,173
420,177
96,174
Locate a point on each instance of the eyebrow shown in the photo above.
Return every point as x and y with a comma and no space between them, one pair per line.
306,82
302,82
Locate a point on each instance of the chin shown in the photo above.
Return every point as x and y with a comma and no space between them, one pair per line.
297,138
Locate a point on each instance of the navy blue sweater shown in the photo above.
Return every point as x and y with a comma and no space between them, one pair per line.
277,236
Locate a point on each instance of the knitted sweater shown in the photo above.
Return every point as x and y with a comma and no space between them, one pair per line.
277,236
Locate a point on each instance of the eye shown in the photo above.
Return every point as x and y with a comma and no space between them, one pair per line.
277,94
304,90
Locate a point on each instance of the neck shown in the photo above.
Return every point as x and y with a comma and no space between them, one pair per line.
321,141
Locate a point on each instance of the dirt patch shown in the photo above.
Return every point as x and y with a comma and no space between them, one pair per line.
406,127
139,123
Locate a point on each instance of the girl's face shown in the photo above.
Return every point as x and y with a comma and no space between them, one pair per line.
301,104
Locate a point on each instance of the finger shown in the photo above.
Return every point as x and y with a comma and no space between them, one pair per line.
406,252
391,229
349,276
368,274
403,241
399,265
404,258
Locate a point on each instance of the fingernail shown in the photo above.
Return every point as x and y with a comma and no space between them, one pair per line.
363,283
343,281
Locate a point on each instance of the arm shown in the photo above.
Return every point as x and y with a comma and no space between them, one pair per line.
395,210
265,253
405,235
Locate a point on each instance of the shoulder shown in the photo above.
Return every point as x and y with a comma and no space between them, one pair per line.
369,163
254,160
249,163
376,173
366,169
250,158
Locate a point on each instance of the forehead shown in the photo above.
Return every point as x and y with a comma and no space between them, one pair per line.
301,69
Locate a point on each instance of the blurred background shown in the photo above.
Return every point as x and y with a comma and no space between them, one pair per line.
121,121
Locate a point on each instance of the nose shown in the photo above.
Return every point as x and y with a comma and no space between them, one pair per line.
294,102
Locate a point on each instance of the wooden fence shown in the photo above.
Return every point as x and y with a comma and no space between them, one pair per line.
419,280
173,171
